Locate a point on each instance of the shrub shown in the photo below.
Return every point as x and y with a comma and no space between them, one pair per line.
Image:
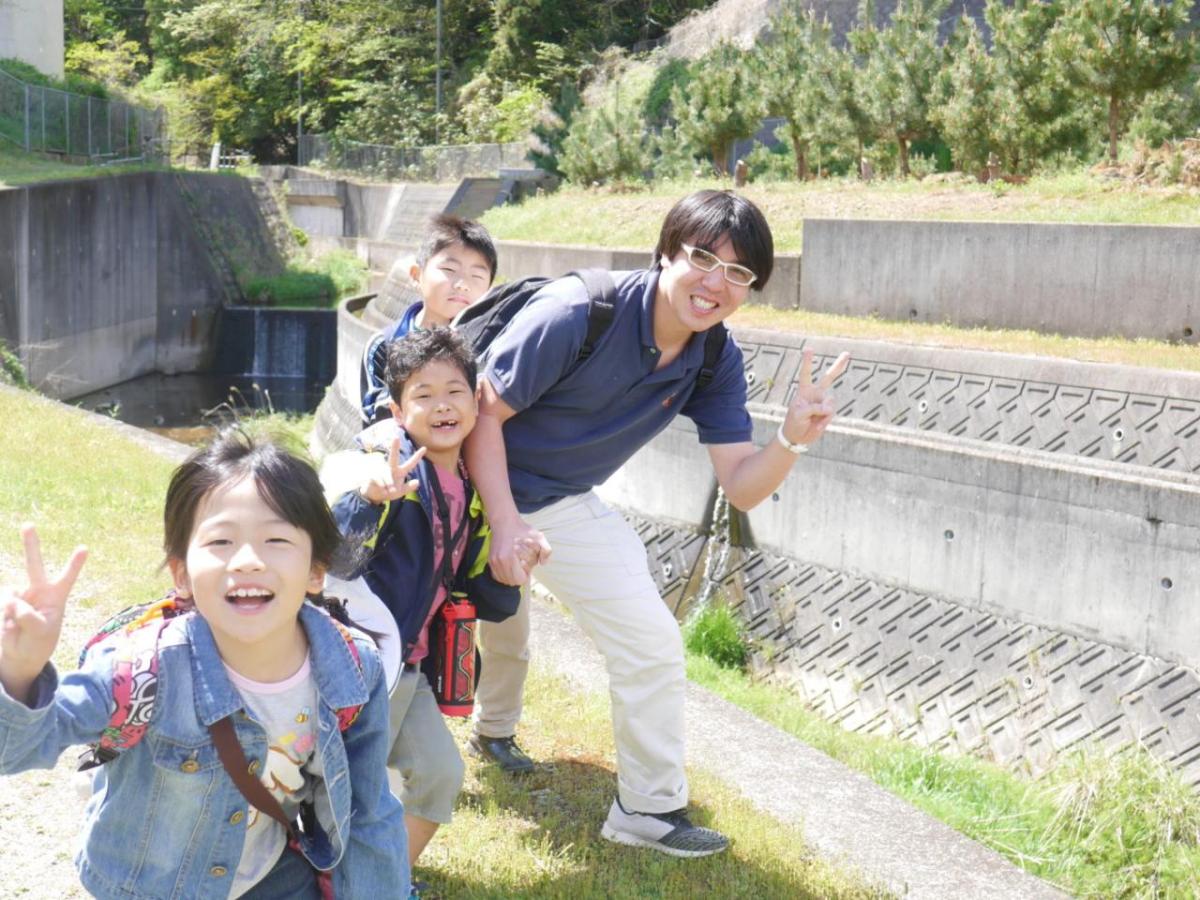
715,632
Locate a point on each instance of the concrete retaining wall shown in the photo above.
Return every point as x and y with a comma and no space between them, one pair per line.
103,280
32,31
1088,280
521,258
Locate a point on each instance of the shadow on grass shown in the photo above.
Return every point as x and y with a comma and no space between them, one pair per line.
556,814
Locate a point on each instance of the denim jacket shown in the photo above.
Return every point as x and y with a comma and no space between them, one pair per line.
165,820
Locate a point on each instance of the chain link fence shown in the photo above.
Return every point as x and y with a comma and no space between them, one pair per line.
446,163
47,120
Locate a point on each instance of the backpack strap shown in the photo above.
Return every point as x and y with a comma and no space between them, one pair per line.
347,715
714,343
602,306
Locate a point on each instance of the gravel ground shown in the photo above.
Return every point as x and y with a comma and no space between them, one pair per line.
41,812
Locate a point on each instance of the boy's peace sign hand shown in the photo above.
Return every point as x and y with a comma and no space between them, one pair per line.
31,620
393,483
811,409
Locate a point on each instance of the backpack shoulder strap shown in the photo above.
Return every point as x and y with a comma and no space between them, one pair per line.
347,715
714,343
602,300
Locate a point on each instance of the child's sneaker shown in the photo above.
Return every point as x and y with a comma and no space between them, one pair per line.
666,832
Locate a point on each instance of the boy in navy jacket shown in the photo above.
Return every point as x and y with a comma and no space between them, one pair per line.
423,538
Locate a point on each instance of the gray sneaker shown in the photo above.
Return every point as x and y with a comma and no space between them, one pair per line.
666,832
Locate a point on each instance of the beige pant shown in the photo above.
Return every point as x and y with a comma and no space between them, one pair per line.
425,768
598,569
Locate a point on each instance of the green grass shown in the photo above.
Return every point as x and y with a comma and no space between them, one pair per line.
1120,351
607,218
1097,825
18,167
318,283
534,838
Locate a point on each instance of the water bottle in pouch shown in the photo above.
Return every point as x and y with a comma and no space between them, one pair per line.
452,642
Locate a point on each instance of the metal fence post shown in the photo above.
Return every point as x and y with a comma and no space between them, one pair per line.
67,122
28,116
43,120
89,142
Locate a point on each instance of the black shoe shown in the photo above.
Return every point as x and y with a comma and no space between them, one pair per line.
504,752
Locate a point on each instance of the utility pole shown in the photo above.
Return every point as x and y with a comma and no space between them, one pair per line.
299,116
437,121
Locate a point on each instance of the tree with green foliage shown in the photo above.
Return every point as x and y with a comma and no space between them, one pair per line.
963,107
900,72
719,104
795,69
605,144
1038,112
1121,50
850,89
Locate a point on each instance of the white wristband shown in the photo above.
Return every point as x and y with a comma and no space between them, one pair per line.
788,445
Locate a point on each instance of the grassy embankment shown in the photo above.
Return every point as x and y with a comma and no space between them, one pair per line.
18,167
578,216
536,838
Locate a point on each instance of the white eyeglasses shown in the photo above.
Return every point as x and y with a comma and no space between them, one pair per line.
706,262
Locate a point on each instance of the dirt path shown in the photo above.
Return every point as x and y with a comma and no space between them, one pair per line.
41,812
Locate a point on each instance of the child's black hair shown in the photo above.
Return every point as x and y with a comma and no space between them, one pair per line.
287,484
418,348
447,229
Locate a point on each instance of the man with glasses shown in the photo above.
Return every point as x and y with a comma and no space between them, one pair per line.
551,427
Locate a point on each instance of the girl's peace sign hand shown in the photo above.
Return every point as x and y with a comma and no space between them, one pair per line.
31,620
393,483
811,409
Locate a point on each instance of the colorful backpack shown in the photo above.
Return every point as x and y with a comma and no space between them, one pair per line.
135,674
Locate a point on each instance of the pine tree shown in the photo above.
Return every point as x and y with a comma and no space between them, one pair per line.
795,69
1121,50
963,108
1038,112
849,80
719,105
901,70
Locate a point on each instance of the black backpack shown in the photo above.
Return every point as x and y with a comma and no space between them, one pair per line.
481,322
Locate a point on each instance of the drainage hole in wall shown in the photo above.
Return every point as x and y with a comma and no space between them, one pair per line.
749,378
836,624
1027,682
1118,434
1167,584
1187,331
923,406
912,313
775,498
948,534
667,569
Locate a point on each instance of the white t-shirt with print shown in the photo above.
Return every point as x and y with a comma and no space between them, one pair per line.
287,710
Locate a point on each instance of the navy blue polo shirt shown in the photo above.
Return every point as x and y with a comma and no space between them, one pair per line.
577,423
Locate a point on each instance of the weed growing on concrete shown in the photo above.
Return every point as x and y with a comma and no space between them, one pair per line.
12,371
1131,814
309,284
715,633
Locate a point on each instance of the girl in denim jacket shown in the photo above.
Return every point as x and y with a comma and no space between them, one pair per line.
247,536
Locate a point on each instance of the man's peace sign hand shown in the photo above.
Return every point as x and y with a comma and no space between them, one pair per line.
393,483
31,620
812,409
